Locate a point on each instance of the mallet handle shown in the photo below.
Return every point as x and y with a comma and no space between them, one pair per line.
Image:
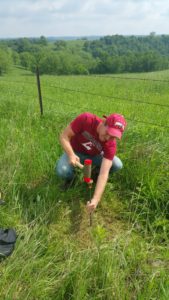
78,164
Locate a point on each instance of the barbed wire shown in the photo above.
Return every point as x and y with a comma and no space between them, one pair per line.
103,112
126,78
111,76
100,111
105,96
18,92
16,81
94,94
109,97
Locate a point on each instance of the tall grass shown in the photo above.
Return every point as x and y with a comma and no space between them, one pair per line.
57,256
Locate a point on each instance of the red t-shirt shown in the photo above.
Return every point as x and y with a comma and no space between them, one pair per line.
86,139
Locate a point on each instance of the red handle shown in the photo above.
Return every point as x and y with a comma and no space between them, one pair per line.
87,170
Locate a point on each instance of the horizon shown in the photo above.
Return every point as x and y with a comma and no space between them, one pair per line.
79,36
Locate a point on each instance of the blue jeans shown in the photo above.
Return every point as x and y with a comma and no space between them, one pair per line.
66,171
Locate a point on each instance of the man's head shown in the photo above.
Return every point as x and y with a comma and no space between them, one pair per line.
112,127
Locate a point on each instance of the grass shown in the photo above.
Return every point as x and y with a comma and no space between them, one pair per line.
58,256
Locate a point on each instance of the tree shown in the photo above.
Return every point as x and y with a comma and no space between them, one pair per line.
15,58
27,60
153,33
60,45
21,45
5,61
43,41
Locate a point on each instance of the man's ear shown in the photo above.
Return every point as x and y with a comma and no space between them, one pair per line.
104,120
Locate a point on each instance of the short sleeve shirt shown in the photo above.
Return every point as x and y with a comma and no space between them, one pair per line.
86,139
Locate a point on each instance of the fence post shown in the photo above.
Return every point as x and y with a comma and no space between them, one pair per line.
39,90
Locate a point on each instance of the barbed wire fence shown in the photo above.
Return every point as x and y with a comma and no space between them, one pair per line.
85,92
36,84
90,93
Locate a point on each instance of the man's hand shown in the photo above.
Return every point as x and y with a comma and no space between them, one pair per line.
74,160
91,206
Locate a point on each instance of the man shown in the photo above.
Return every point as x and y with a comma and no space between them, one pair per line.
89,136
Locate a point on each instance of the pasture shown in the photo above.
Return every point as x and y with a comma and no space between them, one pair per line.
124,255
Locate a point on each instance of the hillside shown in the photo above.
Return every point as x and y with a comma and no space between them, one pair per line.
58,256
107,55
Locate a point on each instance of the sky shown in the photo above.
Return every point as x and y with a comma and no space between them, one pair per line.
33,18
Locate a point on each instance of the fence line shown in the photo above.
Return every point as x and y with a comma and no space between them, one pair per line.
103,112
111,76
126,78
95,94
16,81
108,97
100,111
20,93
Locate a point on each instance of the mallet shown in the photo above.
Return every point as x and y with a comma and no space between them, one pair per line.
79,165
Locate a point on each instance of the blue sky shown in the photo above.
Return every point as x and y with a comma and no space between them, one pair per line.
26,18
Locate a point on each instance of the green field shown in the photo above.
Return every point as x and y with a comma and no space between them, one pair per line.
58,256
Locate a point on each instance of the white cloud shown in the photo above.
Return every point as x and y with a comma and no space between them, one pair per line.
82,17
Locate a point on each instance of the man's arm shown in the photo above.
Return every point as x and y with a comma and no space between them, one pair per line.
101,183
65,138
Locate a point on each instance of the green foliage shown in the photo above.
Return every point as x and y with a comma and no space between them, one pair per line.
15,58
25,44
5,61
110,54
27,60
133,54
99,235
42,41
62,63
60,45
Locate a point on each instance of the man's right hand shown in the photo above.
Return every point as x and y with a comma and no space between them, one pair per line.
74,160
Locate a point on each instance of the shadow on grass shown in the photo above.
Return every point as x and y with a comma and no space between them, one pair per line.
45,202
75,205
75,216
39,199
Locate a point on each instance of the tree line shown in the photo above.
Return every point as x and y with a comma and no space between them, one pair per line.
107,55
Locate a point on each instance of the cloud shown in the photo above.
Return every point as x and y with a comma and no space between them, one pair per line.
82,17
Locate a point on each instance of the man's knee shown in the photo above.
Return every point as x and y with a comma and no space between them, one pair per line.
117,164
61,170
64,171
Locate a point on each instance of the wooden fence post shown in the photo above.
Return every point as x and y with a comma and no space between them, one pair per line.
39,90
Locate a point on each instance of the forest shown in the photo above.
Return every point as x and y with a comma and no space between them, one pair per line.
107,55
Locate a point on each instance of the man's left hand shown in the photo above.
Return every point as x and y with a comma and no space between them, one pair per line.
91,206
